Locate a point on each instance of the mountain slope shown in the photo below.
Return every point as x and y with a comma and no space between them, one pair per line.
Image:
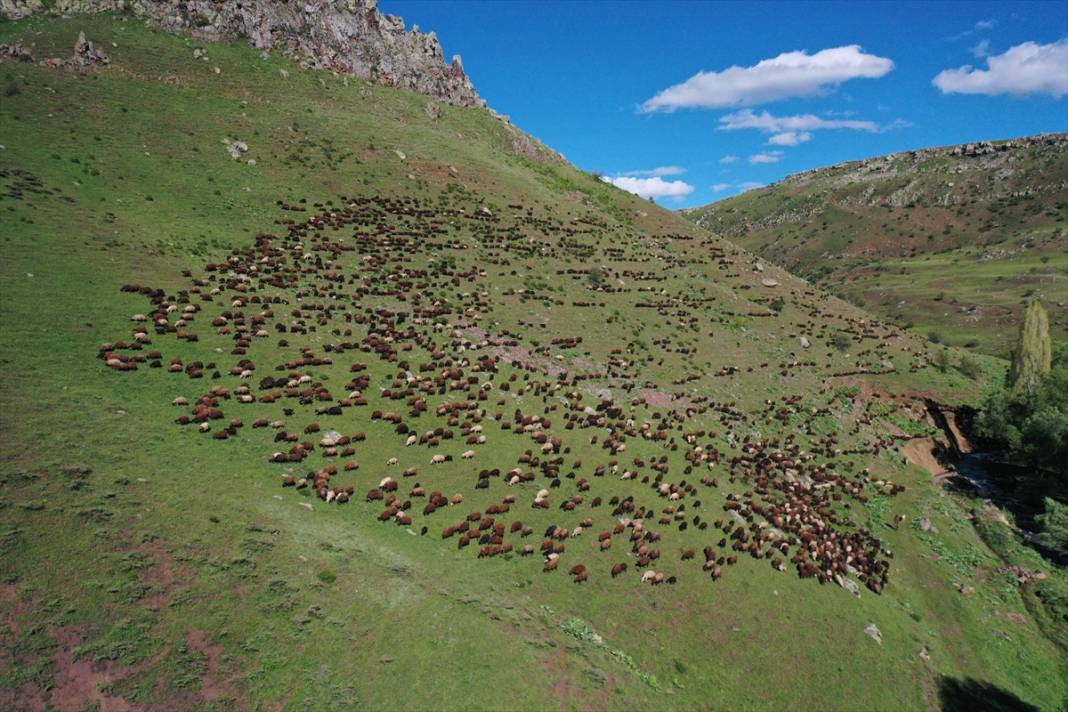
950,240
371,267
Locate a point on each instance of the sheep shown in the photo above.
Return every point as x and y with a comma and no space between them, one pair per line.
437,459
468,454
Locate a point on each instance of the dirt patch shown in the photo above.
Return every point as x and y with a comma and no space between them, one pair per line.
517,354
921,451
165,575
81,683
212,686
564,688
660,399
15,611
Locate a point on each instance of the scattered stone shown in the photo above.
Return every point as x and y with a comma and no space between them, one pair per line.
284,73
769,282
925,524
386,659
873,632
86,53
803,340
965,589
235,148
848,584
400,154
15,51
924,655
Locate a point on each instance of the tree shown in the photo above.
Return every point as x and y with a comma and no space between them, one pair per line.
1032,357
1053,525
1031,426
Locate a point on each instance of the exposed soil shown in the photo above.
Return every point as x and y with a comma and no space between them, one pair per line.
80,682
212,686
921,451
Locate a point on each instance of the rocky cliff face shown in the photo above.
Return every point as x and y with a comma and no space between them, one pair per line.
347,36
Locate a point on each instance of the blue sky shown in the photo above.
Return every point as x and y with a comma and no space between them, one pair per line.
618,86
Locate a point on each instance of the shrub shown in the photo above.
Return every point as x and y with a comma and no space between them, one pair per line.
841,342
942,361
1053,523
971,367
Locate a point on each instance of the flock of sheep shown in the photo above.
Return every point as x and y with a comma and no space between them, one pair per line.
366,280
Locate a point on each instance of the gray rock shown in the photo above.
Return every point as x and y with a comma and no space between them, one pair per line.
86,53
345,36
873,631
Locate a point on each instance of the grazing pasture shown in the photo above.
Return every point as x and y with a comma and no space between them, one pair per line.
386,409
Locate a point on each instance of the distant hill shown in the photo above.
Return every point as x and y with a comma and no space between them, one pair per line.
950,240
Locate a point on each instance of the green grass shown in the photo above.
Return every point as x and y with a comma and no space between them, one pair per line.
124,534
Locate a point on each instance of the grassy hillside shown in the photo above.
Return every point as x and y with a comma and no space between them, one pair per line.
949,241
633,357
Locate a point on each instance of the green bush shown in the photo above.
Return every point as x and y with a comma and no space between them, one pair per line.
841,342
1053,523
1031,425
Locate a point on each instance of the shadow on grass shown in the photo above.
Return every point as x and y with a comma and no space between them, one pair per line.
974,696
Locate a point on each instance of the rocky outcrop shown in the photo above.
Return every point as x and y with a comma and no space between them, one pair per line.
346,36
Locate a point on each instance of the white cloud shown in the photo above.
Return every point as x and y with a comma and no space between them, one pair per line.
655,187
658,171
766,157
791,74
1025,69
748,119
982,49
980,26
720,187
790,138
728,159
